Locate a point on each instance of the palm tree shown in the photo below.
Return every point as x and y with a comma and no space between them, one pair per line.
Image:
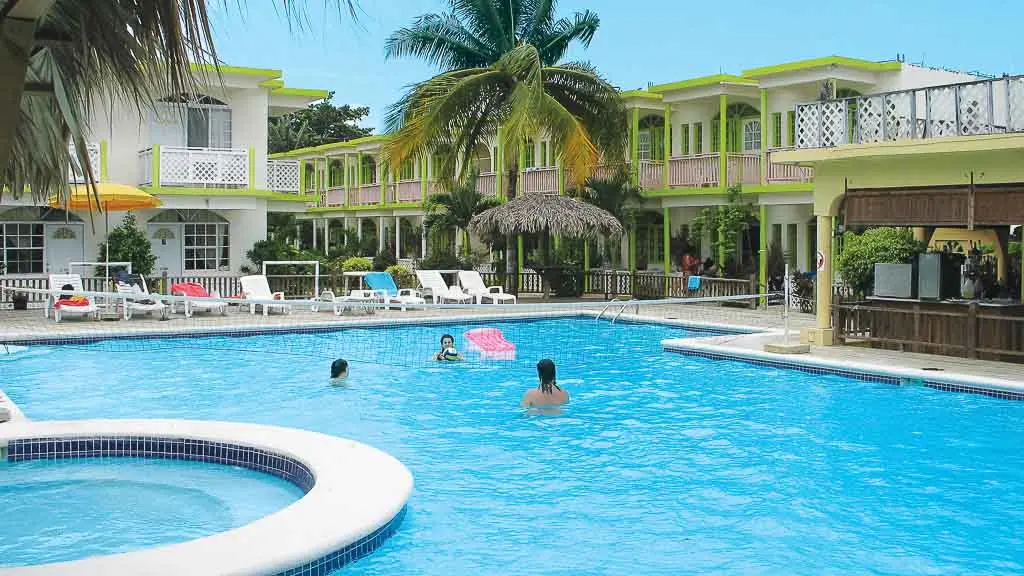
57,55
282,136
454,209
616,195
501,76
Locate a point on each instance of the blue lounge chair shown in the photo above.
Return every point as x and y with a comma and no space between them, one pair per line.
383,285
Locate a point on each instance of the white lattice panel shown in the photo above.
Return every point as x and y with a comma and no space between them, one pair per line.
974,104
941,111
899,121
283,175
203,167
870,119
146,166
808,125
75,173
1015,104
833,123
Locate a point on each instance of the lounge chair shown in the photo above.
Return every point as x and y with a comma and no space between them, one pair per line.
384,287
137,299
197,299
257,288
473,284
361,300
68,306
438,290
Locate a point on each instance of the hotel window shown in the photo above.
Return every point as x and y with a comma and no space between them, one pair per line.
776,129
791,127
751,135
22,245
544,155
714,136
698,138
196,121
531,154
684,141
206,246
408,171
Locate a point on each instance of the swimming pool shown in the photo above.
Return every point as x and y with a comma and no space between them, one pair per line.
59,510
662,463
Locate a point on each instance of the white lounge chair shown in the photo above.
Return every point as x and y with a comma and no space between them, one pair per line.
384,289
197,299
138,300
361,300
57,283
435,288
257,288
473,284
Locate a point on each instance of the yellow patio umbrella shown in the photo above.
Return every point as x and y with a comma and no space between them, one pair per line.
108,197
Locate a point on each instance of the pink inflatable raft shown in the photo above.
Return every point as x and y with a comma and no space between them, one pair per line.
491,343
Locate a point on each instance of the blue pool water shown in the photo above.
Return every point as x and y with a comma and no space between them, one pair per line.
58,510
661,464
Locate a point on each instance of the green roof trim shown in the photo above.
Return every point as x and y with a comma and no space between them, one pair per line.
641,94
267,73
713,80
272,84
856,63
329,147
306,92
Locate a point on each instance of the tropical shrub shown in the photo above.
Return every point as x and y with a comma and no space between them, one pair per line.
404,278
357,264
861,252
383,260
128,243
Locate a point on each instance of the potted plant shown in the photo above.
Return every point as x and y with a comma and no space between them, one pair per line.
20,301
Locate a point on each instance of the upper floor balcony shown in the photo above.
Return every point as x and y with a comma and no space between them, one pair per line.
994,106
194,167
705,171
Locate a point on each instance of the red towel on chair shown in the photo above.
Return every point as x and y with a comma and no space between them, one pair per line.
191,289
71,302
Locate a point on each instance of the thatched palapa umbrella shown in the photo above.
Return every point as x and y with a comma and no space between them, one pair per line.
559,215
546,214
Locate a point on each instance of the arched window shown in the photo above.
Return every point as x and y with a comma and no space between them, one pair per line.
205,236
193,120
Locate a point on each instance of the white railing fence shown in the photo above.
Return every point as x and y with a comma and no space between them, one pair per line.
283,175
76,175
181,166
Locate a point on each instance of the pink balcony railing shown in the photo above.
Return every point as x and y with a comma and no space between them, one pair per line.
487,184
744,169
788,172
409,191
364,195
696,171
335,196
650,174
543,180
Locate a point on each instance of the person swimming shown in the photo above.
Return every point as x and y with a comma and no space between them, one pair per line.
547,393
339,370
448,352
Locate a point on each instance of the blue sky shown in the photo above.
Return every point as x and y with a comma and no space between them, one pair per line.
639,41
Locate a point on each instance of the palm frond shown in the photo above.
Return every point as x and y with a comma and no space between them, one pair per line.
489,21
556,40
439,39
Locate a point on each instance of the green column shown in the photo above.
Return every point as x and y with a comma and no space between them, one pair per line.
156,166
252,167
423,178
104,154
764,136
359,169
586,267
762,262
667,144
302,176
634,146
667,239
723,160
499,167
519,259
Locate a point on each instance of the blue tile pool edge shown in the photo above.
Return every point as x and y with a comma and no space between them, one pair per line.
197,450
863,374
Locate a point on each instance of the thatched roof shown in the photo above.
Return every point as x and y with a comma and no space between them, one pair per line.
558,215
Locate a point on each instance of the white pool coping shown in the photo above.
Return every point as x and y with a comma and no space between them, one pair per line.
358,489
13,412
712,345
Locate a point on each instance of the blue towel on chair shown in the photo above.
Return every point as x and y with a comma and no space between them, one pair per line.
381,281
693,283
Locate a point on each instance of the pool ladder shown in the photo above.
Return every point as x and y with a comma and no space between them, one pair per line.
625,304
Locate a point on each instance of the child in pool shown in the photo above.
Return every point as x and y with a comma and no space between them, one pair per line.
448,351
339,371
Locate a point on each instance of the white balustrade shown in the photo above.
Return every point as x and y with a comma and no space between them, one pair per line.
487,184
75,173
283,175
695,171
778,172
200,167
993,106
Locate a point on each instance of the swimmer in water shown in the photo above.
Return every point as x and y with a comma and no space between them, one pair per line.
547,394
339,371
448,351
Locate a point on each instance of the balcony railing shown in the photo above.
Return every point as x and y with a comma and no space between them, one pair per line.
543,180
283,175
409,190
196,167
743,169
487,184
334,196
75,173
779,173
365,195
993,106
650,174
697,171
